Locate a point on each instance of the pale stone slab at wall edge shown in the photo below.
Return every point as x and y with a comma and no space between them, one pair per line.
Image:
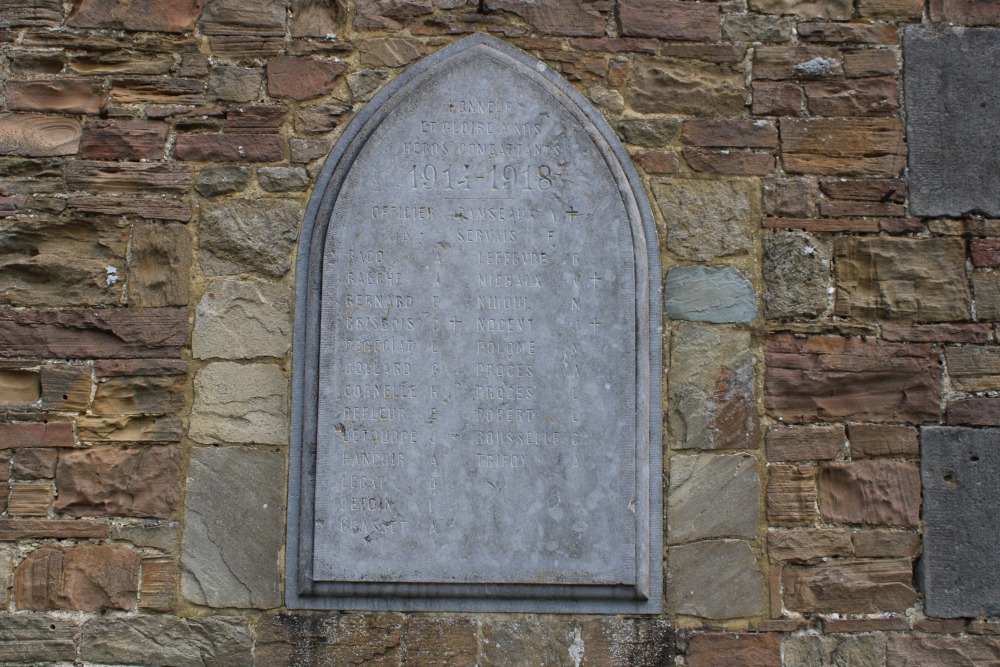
709,219
716,294
712,495
242,320
240,403
234,514
714,579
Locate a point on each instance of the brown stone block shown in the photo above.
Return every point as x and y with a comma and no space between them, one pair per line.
30,499
13,530
388,52
667,19
230,148
19,13
236,17
796,62
49,434
316,19
389,14
629,641
978,626
64,95
440,641
843,146
66,388
974,368
941,650
855,97
119,367
885,493
109,481
122,139
807,9
146,208
139,15
848,33
938,333
576,18
304,151
159,271
747,650
805,443
902,10
256,119
363,639
121,63
666,86
985,253
658,162
39,136
902,226
986,287
158,91
34,463
901,279
946,626
158,590
81,578
735,162
791,495
861,209
808,544
129,429
139,396
870,62
868,440
835,625
965,12
822,224
302,78
886,544
853,588
320,119
17,386
738,133
828,378
973,412
616,45
245,47
874,190
123,177
719,54
776,98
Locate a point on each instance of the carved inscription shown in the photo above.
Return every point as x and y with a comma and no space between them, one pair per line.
476,376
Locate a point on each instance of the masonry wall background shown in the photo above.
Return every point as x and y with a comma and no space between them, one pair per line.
156,157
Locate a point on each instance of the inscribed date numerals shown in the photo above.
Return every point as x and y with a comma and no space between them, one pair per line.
499,178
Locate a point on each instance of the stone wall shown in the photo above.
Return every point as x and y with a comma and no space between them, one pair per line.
156,157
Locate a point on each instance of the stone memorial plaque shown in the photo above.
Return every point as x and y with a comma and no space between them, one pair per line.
477,354
961,562
952,87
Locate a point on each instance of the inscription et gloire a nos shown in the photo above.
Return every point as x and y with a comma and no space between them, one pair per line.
473,362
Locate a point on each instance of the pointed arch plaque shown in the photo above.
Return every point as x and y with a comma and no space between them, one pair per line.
476,382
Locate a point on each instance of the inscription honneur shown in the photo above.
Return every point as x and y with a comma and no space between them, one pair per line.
476,381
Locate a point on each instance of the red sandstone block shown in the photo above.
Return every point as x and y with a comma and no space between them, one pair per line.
12,530
911,650
832,625
843,146
301,78
658,162
139,15
855,97
667,19
123,140
735,162
871,492
861,209
938,333
855,588
965,12
973,412
230,148
612,44
51,434
746,650
776,98
83,578
110,481
902,226
822,224
986,253
65,95
725,133
847,33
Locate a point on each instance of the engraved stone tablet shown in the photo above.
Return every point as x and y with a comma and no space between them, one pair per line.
961,562
476,382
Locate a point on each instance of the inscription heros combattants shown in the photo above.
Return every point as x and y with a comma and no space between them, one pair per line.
475,370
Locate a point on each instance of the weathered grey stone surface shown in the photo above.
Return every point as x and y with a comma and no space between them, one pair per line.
649,132
708,219
215,181
712,402
796,275
6,569
37,637
476,431
167,641
714,579
242,320
229,83
712,495
961,563
248,236
240,403
154,534
283,179
834,650
952,93
709,294
234,513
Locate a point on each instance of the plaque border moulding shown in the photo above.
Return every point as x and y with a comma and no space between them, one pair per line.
644,598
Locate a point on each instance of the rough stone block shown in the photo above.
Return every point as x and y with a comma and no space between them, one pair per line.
986,287
345,639
242,320
959,468
828,378
234,509
128,428
709,294
162,640
776,98
256,119
159,583
710,133
732,162
843,146
558,17
248,236
853,588
148,208
712,495
216,181
886,544
128,178
746,650
868,440
941,650
707,219
34,463
62,95
139,15
756,28
388,52
791,495
714,579
17,13
797,270
847,33
870,492
30,498
295,78
37,638
103,481
808,544
805,443
240,403
796,62
229,148
977,411
901,279
855,97
711,395
160,535
313,19
974,368
229,83
389,14
159,270
133,395
695,88
84,578
667,19
951,141
47,434
649,132
430,640
39,136
283,179
806,9
14,530
833,650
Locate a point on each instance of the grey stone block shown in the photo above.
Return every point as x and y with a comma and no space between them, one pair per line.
167,641
715,579
709,294
240,403
234,511
952,93
712,495
796,275
37,637
248,236
242,320
961,563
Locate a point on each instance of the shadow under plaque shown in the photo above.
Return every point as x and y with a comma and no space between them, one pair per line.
476,390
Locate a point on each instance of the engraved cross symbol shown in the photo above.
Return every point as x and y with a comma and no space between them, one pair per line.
454,322
594,323
595,279
572,212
